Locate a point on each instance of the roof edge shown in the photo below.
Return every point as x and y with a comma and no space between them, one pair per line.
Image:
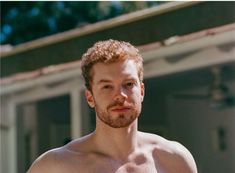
106,24
216,37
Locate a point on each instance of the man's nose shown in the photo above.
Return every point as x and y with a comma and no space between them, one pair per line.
121,94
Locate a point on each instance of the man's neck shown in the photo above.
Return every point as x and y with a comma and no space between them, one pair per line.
117,143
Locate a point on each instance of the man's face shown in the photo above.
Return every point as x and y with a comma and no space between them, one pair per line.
116,93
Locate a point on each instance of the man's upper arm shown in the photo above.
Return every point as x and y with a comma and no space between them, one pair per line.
188,162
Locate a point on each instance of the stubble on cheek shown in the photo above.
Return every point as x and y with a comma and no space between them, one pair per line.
120,120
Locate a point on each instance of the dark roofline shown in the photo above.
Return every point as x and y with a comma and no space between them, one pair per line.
157,27
92,28
76,64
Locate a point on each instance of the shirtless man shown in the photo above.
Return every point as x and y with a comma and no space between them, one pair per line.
113,73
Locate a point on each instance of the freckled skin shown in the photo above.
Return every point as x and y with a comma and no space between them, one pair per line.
116,146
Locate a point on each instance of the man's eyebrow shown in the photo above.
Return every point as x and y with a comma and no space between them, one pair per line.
104,81
131,79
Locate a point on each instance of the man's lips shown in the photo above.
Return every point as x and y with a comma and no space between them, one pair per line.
120,109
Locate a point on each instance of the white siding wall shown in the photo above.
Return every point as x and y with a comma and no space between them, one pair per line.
196,125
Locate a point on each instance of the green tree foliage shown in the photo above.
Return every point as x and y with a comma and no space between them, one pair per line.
23,21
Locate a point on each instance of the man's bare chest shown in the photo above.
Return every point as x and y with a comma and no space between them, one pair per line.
139,163
132,168
100,165
129,167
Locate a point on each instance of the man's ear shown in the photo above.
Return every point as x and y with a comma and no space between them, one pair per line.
142,91
89,98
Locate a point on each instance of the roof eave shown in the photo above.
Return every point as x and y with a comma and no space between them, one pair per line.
92,28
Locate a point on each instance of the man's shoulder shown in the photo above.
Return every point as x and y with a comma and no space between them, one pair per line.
45,161
162,144
170,152
60,159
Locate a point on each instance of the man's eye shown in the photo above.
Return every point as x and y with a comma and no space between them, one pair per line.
130,84
107,87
